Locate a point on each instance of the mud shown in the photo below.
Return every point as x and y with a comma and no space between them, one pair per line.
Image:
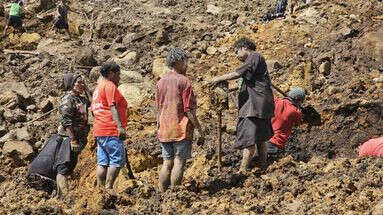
318,174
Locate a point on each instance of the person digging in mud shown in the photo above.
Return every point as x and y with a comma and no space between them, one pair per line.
58,158
287,114
15,16
176,119
255,102
109,109
61,17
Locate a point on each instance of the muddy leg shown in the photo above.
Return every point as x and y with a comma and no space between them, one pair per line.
101,175
247,156
111,176
62,187
164,179
177,171
262,155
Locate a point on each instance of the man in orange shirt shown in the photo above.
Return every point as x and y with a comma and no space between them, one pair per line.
176,119
109,109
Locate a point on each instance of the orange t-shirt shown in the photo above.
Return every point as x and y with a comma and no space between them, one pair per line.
106,95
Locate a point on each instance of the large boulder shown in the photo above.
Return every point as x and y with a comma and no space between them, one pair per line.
27,38
373,44
159,67
126,59
86,57
136,94
130,77
20,147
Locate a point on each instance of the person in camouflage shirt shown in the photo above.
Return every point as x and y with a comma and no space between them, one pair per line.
73,125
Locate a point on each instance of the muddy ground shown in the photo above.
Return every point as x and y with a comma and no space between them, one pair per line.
331,48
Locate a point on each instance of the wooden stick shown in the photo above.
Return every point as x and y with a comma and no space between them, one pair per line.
8,51
219,131
83,67
279,90
45,114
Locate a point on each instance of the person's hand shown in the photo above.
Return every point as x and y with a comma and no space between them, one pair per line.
75,147
122,133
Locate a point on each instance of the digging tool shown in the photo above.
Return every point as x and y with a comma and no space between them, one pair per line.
45,114
221,102
128,174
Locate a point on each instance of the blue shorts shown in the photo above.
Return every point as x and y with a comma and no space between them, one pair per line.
181,149
110,151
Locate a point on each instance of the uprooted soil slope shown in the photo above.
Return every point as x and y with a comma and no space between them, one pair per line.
331,48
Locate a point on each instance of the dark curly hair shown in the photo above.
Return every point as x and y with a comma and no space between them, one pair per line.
109,67
245,42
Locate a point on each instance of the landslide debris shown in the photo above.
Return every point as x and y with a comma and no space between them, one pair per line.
331,48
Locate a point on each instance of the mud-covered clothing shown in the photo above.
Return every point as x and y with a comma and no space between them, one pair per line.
14,9
174,98
74,113
255,97
61,20
252,130
55,157
373,148
286,116
255,103
105,96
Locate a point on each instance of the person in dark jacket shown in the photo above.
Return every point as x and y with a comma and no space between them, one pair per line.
255,102
73,125
58,158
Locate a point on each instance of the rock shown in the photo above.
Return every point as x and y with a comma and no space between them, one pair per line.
45,5
135,94
95,73
31,108
325,68
379,79
222,49
159,67
86,57
211,50
273,65
128,38
3,130
21,147
46,106
212,9
378,209
130,77
8,136
331,90
126,59
17,87
27,38
38,144
14,116
347,32
23,134
373,44
75,21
